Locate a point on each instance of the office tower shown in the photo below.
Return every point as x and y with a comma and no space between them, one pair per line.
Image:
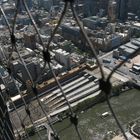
112,10
122,9
6,130
90,8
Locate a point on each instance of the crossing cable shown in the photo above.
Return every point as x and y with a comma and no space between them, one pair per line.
46,55
13,104
109,91
105,85
26,106
30,77
13,41
8,95
85,35
38,33
35,91
14,45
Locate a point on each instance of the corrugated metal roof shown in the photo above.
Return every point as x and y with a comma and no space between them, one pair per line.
130,45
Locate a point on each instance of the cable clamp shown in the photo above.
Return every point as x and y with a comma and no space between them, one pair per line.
105,86
47,56
74,119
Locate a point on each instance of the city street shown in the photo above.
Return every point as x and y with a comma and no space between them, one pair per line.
123,70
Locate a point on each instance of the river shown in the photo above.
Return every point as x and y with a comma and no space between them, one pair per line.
93,127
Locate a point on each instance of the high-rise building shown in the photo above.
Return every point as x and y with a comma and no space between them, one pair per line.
103,4
134,7
6,130
112,10
93,7
90,8
122,10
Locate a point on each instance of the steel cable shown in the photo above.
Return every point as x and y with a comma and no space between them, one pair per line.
115,117
53,34
119,65
73,116
47,49
15,45
58,24
5,18
101,70
86,37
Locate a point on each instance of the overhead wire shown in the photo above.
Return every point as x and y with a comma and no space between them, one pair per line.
38,33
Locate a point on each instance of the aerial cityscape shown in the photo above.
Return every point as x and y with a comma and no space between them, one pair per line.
69,69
